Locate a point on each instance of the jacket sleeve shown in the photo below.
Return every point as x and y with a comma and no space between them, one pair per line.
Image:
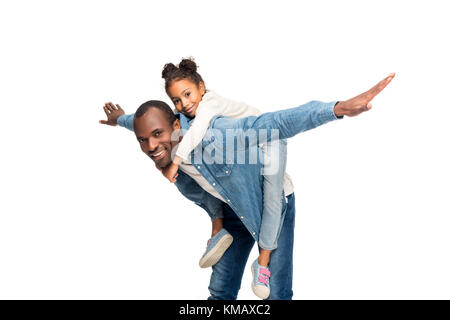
287,123
126,121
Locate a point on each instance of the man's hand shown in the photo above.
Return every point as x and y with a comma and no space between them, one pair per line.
361,103
113,112
170,172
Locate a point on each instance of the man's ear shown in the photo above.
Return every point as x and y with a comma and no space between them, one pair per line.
176,125
176,133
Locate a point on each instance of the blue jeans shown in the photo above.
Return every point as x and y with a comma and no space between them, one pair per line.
274,154
227,273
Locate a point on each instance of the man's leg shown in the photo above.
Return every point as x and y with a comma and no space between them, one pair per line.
227,273
281,262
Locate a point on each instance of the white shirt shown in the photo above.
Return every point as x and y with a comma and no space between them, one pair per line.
211,105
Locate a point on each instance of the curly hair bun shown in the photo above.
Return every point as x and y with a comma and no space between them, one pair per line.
188,65
168,69
186,69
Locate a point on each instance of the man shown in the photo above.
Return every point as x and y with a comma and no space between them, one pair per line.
234,189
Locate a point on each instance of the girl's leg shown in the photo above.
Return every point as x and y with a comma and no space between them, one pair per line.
274,154
264,257
217,225
219,242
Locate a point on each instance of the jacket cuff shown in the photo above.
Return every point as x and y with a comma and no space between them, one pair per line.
327,112
340,117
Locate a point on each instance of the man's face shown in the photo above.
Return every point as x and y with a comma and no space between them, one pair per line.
186,96
154,134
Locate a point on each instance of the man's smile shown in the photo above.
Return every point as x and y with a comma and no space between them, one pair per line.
158,155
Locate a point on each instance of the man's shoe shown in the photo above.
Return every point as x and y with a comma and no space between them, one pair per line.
215,248
260,282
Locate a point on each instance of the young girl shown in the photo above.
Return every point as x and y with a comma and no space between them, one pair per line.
186,89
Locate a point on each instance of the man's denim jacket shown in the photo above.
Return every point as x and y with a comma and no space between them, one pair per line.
240,185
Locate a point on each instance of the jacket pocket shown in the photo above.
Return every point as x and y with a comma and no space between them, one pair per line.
223,170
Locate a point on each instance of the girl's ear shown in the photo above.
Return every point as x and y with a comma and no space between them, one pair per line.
201,86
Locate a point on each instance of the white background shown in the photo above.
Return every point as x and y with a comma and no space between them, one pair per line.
84,214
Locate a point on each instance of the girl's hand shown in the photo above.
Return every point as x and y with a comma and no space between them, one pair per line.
170,172
361,103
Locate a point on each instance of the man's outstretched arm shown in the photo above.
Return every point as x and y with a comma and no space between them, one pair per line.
290,122
190,189
116,116
362,102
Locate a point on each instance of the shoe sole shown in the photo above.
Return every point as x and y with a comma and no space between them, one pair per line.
254,289
214,255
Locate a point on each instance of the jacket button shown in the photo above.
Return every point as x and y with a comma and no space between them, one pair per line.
228,200
214,183
242,217
226,172
198,167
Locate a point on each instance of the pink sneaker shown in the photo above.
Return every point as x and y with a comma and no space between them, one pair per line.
260,282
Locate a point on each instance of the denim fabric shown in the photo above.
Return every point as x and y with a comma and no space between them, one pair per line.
241,184
214,240
227,273
199,196
126,121
274,154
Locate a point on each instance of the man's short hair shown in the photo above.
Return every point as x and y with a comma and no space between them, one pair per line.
161,105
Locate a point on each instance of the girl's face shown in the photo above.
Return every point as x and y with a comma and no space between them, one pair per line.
186,96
